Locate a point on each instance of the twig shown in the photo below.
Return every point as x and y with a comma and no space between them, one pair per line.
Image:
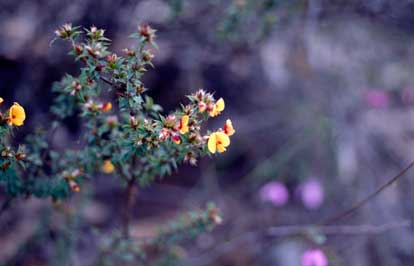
107,81
129,204
119,87
286,231
362,202
6,204
337,229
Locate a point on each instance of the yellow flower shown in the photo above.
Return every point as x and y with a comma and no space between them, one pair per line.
218,107
184,124
218,141
107,167
1,100
106,107
16,115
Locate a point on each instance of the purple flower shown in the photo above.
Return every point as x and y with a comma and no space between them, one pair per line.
311,193
377,99
314,257
275,193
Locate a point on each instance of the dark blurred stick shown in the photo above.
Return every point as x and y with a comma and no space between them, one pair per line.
130,196
337,229
6,204
107,81
120,88
361,203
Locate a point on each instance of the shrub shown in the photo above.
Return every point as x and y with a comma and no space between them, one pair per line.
124,132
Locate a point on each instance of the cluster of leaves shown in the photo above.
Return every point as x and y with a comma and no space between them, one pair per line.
10,158
164,248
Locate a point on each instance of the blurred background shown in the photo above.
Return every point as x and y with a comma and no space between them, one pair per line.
321,94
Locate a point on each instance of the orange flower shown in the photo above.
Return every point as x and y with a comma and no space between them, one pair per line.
218,107
228,128
218,141
106,107
17,115
73,185
108,167
184,124
176,139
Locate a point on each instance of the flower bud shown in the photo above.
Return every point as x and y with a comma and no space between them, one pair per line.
170,121
202,106
133,122
77,49
147,55
147,32
112,59
164,134
214,215
140,89
129,52
200,94
20,156
65,31
112,120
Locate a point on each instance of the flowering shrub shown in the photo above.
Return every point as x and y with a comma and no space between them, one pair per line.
124,132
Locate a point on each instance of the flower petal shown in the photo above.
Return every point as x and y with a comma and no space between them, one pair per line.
220,105
221,148
212,143
223,139
17,114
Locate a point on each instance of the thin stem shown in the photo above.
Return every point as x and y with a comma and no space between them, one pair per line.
6,204
337,229
130,195
120,88
107,81
362,202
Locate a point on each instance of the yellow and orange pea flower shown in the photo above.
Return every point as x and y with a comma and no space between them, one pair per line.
217,108
218,141
108,167
228,128
17,115
71,179
184,124
176,138
73,185
106,107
